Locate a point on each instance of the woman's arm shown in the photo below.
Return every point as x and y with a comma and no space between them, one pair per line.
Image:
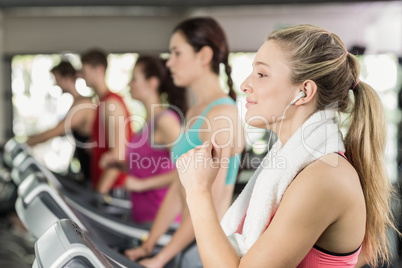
73,120
183,236
227,132
168,211
208,232
168,127
58,130
134,184
222,131
314,201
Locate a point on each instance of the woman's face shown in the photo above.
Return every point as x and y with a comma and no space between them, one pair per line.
140,87
184,64
268,87
63,81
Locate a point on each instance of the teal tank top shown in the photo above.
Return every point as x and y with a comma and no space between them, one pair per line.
191,139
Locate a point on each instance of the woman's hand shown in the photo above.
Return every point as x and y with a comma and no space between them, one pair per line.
199,167
136,253
152,263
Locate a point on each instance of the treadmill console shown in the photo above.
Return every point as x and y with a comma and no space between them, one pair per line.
36,197
64,244
11,149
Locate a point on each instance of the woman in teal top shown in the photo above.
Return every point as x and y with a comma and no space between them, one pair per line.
198,47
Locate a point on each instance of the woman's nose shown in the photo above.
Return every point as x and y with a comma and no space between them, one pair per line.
169,62
246,85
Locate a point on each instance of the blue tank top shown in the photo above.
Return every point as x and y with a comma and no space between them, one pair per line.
191,139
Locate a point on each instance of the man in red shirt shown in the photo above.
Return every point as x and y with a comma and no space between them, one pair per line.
111,129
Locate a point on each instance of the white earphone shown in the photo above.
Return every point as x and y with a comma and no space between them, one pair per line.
299,96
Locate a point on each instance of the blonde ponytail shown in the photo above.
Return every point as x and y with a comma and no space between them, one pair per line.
365,144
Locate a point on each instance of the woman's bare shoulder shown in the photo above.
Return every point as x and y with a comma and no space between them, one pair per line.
331,175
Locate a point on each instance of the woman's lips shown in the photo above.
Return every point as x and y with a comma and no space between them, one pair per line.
250,103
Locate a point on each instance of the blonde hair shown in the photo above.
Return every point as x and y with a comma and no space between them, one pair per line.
318,55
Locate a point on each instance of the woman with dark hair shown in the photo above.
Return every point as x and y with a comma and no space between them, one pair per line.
198,47
150,169
328,203
78,120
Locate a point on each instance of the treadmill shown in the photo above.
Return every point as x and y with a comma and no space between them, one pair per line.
40,207
64,244
11,149
17,156
110,218
24,164
55,197
8,190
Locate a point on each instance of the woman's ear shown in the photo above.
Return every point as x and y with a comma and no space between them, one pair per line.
309,87
153,83
206,54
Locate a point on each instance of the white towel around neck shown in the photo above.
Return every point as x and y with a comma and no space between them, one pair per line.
318,136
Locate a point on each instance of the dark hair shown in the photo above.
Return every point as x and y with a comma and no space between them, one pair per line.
205,31
94,57
153,66
65,69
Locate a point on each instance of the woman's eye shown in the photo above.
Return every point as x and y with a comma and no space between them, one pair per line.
260,75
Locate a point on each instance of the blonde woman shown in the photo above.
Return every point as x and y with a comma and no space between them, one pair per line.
317,200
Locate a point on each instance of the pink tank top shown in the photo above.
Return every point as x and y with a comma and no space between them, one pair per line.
320,258
146,160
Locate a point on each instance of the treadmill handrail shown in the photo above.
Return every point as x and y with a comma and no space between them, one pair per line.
43,187
129,231
50,177
10,147
10,144
19,158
